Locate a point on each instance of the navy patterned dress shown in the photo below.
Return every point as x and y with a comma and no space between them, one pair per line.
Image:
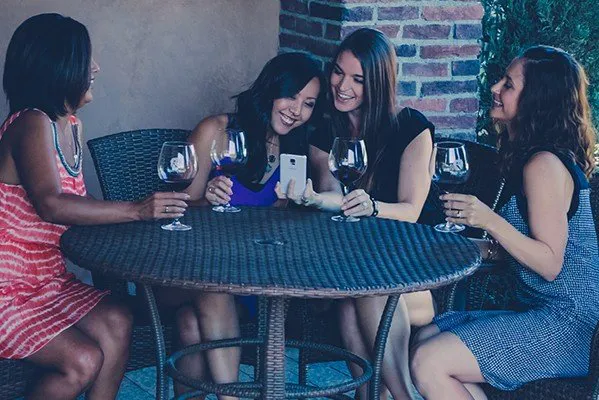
549,333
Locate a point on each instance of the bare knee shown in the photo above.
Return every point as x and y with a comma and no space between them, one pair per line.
423,367
83,365
187,326
118,322
425,333
215,304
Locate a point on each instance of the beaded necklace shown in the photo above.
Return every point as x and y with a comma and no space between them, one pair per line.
75,169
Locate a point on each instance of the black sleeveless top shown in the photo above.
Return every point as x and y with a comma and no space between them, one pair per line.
410,124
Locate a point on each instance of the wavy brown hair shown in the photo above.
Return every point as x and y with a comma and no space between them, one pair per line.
379,110
553,110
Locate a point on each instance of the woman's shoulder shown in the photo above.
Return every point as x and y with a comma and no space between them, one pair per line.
210,125
545,166
412,122
28,122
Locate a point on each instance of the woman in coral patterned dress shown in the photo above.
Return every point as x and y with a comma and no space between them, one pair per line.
78,334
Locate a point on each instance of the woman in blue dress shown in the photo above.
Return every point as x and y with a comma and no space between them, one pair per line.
544,229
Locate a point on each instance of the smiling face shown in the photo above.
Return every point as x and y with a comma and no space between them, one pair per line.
506,93
88,96
290,112
347,82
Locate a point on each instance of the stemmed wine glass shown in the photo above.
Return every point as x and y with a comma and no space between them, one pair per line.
177,166
228,153
451,169
347,161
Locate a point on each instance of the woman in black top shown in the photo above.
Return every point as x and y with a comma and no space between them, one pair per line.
395,185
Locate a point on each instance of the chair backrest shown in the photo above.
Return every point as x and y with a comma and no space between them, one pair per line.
483,182
126,162
126,165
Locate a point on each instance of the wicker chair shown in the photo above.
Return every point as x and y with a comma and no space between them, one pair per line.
322,326
139,179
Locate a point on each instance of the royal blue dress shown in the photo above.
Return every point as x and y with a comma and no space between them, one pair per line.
549,333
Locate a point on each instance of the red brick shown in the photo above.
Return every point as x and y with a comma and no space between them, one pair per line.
437,105
313,45
318,10
307,27
453,122
390,31
435,13
346,30
425,69
440,51
296,6
426,31
358,14
287,21
333,32
398,13
464,105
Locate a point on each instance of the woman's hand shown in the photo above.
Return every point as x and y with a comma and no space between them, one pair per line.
218,190
467,210
161,205
308,198
357,204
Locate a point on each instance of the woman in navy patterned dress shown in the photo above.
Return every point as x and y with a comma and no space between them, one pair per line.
545,230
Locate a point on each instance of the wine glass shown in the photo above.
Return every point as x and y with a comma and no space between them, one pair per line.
228,153
347,162
451,169
177,166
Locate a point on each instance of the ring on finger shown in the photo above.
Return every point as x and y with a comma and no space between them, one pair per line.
364,204
166,209
459,213
211,189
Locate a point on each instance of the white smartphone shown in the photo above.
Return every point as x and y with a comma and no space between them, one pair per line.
293,166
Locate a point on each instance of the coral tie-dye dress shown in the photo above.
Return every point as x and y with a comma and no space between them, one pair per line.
38,297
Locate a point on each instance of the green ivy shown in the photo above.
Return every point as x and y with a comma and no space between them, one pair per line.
509,26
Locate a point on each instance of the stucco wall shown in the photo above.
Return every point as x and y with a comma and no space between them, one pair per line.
164,63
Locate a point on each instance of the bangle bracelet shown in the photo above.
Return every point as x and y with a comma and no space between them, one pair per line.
375,210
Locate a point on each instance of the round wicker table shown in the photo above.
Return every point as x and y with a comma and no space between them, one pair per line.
275,253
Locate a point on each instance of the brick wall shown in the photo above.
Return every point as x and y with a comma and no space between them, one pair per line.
436,43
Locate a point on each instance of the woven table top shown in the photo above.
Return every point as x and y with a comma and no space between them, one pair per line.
276,252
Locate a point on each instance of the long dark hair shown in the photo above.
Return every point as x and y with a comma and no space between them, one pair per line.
47,65
283,76
379,109
553,110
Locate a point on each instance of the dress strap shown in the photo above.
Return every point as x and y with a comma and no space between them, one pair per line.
13,117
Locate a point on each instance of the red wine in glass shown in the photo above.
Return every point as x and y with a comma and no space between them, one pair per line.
228,153
177,166
451,170
347,162
178,185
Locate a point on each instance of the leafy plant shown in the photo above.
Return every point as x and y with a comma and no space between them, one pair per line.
509,26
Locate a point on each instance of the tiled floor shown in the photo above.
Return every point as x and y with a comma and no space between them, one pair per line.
141,384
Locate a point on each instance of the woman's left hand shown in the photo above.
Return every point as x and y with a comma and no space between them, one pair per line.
357,204
467,210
